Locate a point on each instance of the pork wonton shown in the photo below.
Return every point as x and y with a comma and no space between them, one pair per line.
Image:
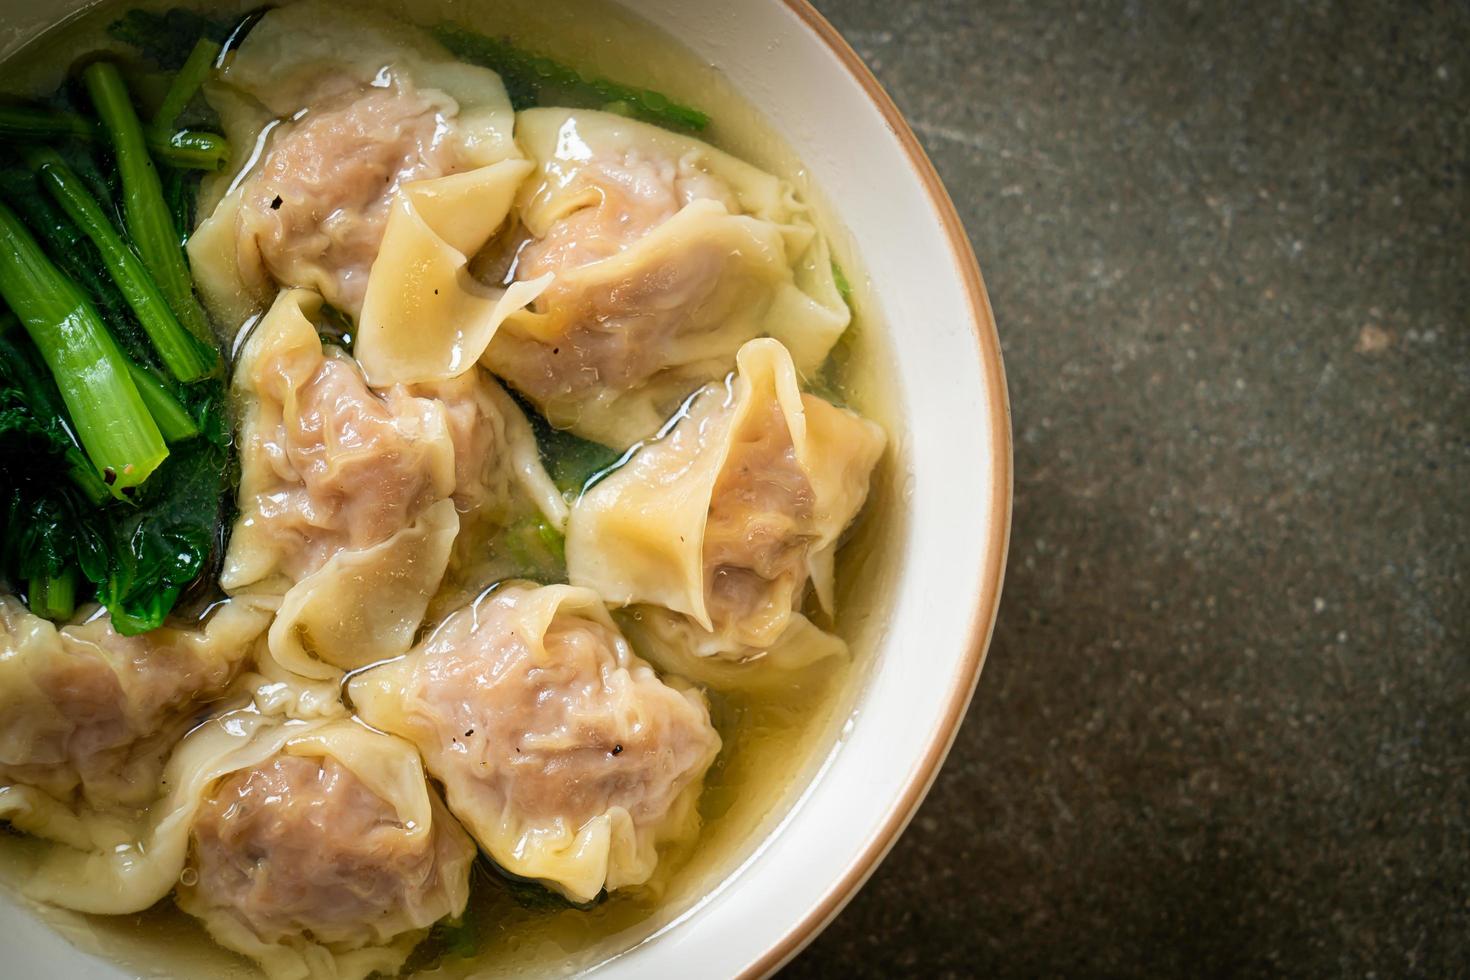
331,109
331,857
507,503
88,717
666,255
716,528
345,498
562,752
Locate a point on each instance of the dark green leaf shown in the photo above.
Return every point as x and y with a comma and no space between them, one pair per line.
537,897
571,461
167,38
47,523
168,539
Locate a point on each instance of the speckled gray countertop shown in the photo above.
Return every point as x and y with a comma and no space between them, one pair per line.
1225,723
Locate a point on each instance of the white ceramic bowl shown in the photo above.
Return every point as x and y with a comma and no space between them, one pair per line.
783,57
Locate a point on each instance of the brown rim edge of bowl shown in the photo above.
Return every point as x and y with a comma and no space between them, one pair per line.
982,625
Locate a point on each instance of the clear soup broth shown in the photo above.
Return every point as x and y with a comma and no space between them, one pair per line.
775,738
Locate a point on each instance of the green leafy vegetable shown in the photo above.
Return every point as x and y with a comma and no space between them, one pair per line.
180,191
158,547
31,411
57,534
186,83
75,255
92,501
829,381
174,421
844,288
23,121
553,540
150,223
455,937
168,39
537,897
102,184
537,549
571,461
182,354
188,149
91,373
54,595
335,327
532,80
49,539
48,529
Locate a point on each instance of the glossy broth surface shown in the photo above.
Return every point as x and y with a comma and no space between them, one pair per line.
775,739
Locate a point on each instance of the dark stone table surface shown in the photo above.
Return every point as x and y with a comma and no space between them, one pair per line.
1224,728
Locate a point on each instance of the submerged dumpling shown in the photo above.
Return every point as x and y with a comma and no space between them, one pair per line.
501,489
315,847
345,498
333,109
88,716
667,255
718,526
496,458
328,859
562,752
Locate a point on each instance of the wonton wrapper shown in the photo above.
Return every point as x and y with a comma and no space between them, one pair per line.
275,690
425,318
727,516
506,500
142,865
356,103
345,508
668,255
131,873
561,751
497,462
676,645
88,717
330,859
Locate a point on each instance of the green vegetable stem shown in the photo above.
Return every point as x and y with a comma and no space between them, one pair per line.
173,421
23,121
110,419
186,83
53,595
187,149
150,223
73,253
186,358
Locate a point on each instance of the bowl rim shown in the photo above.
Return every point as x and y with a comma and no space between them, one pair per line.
922,773
982,623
